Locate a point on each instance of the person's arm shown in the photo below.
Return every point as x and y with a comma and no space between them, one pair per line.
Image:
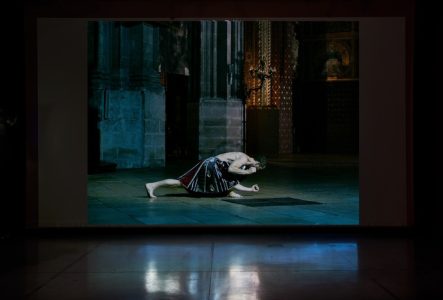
236,167
242,188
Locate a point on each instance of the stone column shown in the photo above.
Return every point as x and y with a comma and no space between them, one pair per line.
235,94
221,109
235,60
131,107
153,99
143,40
124,57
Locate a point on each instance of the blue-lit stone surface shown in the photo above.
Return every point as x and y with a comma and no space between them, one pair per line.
120,198
126,99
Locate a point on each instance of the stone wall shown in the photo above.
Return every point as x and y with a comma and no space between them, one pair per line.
121,128
125,94
154,122
221,90
342,117
220,126
129,102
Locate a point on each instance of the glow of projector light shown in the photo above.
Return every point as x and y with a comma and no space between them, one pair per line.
237,281
167,283
192,283
314,254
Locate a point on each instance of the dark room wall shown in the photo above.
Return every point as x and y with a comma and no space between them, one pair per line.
427,128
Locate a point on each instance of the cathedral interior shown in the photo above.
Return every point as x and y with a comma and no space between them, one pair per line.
165,94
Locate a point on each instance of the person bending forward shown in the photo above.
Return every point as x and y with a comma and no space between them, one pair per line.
215,176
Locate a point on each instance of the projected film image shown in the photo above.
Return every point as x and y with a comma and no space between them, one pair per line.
223,122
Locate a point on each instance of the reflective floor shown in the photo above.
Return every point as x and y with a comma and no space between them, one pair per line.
120,198
220,267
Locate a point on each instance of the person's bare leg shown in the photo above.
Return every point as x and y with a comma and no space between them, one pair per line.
150,187
233,194
242,188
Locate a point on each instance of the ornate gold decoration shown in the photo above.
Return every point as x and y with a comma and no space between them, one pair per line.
262,73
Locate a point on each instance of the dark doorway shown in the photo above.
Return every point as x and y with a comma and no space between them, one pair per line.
261,128
326,89
176,116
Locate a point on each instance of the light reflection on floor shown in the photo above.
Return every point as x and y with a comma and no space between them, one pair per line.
238,268
220,267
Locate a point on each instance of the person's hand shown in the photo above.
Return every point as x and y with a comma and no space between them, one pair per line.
252,170
255,188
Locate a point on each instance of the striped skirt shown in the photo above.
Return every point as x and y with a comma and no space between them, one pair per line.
210,177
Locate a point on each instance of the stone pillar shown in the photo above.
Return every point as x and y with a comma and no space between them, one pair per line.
221,108
235,96
154,123
235,60
131,106
139,54
123,56
154,100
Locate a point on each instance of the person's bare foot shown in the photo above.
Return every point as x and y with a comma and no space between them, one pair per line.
233,194
150,190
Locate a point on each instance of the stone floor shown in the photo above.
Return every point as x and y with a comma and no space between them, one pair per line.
213,266
119,198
